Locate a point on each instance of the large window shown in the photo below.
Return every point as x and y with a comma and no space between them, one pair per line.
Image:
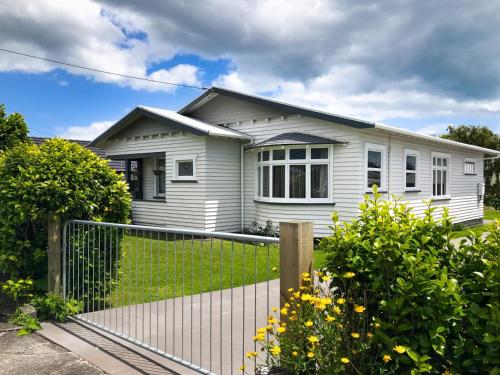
294,174
440,175
411,170
375,160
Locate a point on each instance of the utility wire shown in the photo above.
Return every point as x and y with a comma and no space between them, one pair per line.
103,71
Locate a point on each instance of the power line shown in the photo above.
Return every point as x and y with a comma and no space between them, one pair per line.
103,71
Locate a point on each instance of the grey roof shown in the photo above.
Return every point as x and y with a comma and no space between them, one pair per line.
118,165
282,106
286,139
173,119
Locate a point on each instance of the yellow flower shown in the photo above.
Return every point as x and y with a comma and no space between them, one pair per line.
274,309
259,337
261,331
344,360
337,310
313,340
284,311
274,269
272,320
251,354
242,368
295,354
306,297
377,325
275,350
447,372
296,294
399,349
329,318
369,335
292,298
281,329
310,355
290,290
386,358
355,335
359,309
308,324
341,301
269,328
326,278
305,274
287,305
349,275
354,352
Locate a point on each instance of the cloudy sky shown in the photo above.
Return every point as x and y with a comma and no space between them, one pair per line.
415,64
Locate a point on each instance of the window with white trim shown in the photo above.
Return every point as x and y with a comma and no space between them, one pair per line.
375,164
294,174
185,168
440,175
160,178
411,169
470,166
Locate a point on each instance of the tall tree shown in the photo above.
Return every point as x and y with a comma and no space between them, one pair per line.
13,129
480,136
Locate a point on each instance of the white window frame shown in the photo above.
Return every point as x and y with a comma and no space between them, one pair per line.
156,167
410,152
470,160
448,168
177,160
287,162
378,148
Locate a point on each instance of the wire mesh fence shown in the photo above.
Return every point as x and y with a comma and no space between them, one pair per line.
195,297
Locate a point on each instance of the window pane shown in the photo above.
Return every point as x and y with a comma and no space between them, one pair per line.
297,181
185,168
297,153
258,156
444,183
265,155
265,181
410,180
438,162
373,178
411,163
374,159
319,153
319,181
259,181
438,182
279,181
445,162
279,155
434,182
160,183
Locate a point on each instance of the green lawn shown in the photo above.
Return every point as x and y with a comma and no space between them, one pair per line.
491,214
159,269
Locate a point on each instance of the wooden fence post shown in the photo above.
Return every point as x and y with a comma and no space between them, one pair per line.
54,256
296,255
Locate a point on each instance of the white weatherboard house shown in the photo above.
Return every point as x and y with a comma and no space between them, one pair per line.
228,159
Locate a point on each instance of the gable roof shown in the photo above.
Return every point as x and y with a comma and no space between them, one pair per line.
287,139
338,119
169,118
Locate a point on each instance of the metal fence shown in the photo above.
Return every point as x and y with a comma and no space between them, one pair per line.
192,296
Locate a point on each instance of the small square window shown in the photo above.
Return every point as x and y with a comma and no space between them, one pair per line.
297,153
319,153
185,168
279,155
265,155
469,167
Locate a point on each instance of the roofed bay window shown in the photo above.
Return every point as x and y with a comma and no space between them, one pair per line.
294,174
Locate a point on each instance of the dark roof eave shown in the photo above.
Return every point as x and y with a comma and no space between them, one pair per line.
287,108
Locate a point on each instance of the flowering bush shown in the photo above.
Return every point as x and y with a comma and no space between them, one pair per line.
321,331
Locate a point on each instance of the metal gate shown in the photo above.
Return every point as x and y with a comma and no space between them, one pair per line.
195,297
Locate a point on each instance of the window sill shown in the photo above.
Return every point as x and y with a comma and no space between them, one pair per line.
470,174
295,202
182,181
446,198
154,200
413,191
159,198
379,191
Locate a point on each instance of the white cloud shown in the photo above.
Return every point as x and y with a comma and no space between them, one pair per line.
434,129
86,132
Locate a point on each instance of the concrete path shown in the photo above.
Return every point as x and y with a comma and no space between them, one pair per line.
34,354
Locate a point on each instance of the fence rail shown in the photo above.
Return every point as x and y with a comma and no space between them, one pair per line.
193,296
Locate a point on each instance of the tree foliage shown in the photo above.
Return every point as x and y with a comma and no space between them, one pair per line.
59,178
13,129
480,136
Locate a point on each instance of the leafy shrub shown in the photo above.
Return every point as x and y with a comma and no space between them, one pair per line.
404,278
55,307
269,230
20,290
28,323
59,178
13,129
492,200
